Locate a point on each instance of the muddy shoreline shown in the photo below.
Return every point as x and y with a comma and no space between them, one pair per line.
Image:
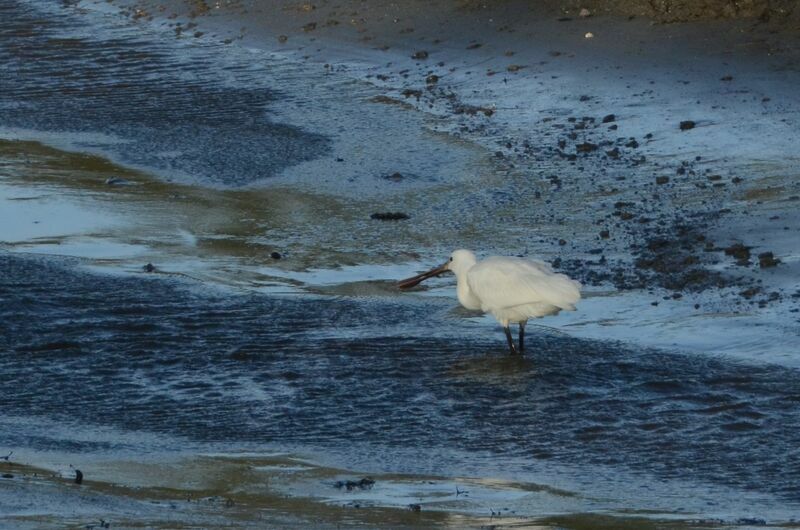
181,289
679,144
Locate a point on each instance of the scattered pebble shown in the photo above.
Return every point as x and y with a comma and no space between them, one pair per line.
740,252
686,125
609,118
589,35
149,268
584,13
275,255
394,177
767,259
422,54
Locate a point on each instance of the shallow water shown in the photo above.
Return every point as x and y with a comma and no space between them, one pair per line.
368,380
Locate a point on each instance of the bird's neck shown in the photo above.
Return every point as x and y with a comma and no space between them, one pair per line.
465,295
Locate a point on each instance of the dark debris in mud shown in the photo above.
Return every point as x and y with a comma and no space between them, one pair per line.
350,485
389,216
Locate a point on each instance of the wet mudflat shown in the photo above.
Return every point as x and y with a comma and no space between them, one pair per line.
266,357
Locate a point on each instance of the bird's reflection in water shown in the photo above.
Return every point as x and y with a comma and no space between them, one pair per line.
494,366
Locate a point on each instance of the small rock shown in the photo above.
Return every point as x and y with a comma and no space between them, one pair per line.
514,68
586,147
562,242
275,255
78,476
432,79
389,216
609,118
311,26
149,268
8,475
662,180
726,78
474,46
767,259
282,38
686,125
740,252
633,144
422,54
394,177
584,13
613,153
415,507
589,35
604,234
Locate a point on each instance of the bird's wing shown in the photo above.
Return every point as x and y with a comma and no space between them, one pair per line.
502,282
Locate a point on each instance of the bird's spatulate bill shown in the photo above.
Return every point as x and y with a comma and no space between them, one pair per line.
415,280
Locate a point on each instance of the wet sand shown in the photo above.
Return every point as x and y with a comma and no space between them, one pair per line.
280,145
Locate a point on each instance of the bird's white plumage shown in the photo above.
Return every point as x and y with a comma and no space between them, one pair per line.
512,289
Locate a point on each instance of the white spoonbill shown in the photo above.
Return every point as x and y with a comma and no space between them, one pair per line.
511,289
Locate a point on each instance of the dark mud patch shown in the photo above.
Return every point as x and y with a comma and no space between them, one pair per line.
688,10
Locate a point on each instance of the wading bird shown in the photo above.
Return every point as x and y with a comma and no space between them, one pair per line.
511,289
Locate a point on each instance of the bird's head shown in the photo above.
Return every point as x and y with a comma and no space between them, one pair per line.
461,261
458,262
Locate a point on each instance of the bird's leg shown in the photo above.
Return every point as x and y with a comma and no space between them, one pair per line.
510,340
522,336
